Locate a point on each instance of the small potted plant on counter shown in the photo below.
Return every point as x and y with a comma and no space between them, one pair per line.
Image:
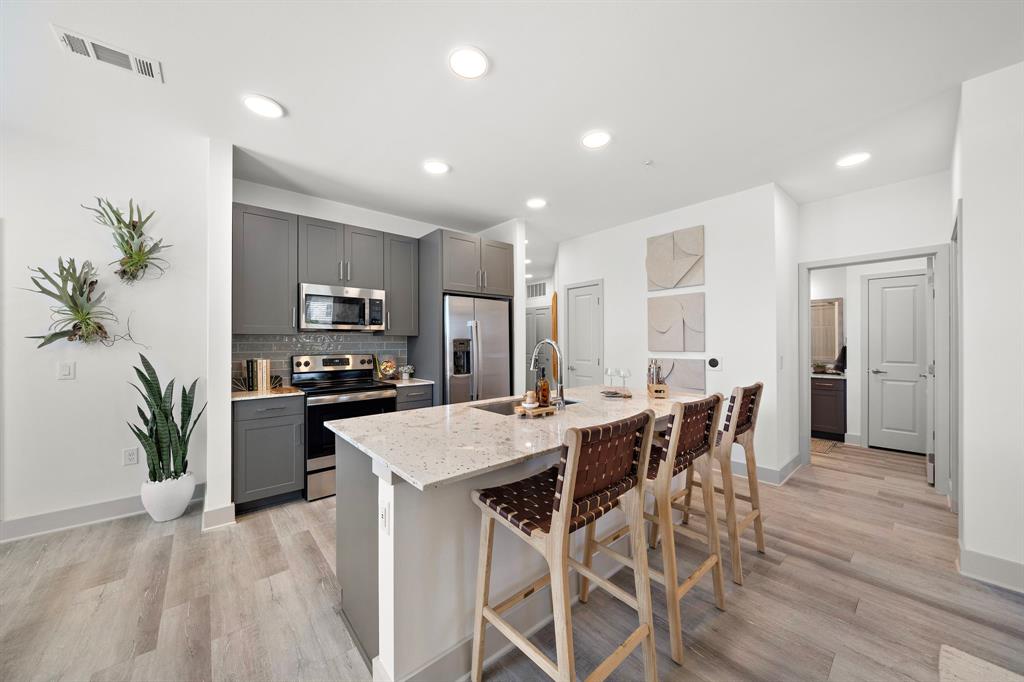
406,371
170,486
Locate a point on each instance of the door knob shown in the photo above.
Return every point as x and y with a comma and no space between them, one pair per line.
879,371
572,368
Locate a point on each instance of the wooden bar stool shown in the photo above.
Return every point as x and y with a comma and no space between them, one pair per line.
740,423
601,467
691,435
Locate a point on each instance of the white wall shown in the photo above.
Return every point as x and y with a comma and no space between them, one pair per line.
284,200
828,283
991,180
888,218
787,347
62,440
741,317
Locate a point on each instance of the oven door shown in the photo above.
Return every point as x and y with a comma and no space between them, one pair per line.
325,408
344,308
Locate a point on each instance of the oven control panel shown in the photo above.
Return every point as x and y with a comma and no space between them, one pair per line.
330,363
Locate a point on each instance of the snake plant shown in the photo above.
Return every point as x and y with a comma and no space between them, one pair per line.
78,316
138,251
164,439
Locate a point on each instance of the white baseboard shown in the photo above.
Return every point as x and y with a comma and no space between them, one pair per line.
854,439
766,475
219,517
27,526
992,569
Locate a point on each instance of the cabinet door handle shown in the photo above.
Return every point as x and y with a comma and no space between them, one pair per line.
341,270
293,316
349,269
268,409
301,432
389,319
485,279
410,395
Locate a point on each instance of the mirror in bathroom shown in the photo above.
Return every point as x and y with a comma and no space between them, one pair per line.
828,335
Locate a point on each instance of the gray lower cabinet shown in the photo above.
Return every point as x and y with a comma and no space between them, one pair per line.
340,255
264,288
321,252
828,406
401,284
414,397
267,448
497,264
460,265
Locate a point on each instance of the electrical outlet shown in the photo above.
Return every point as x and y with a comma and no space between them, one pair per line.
130,456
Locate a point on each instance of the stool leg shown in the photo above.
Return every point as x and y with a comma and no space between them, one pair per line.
671,572
707,478
483,585
652,539
632,503
725,461
588,560
558,565
688,496
755,497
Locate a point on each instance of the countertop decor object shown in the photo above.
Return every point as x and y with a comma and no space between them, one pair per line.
138,250
536,411
406,371
78,315
170,486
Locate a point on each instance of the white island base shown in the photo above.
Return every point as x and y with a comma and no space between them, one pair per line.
407,552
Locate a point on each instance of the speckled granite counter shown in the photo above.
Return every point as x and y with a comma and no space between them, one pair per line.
441,445
279,392
410,382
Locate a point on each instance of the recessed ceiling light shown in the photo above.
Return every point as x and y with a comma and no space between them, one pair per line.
526,241
529,276
263,106
537,202
595,139
527,261
468,62
853,159
435,167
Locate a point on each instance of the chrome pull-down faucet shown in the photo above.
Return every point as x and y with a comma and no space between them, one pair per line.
559,399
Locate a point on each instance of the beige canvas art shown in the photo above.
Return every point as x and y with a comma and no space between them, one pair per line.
684,374
676,323
676,259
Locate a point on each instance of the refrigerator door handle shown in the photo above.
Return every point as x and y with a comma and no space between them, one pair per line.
475,357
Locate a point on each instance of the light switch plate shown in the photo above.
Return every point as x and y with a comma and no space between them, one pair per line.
66,371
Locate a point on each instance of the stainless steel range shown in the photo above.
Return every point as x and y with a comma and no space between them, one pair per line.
336,387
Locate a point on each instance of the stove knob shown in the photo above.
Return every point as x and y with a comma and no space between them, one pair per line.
306,363
298,364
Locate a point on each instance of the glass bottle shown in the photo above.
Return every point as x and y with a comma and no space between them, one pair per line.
543,388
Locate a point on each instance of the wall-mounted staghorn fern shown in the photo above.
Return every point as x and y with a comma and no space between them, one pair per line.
138,251
78,316
165,442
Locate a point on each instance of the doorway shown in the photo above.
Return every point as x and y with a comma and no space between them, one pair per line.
538,328
584,325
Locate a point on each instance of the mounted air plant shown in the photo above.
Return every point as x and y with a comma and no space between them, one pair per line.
164,440
138,251
78,316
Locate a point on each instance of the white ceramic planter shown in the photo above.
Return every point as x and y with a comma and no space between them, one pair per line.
166,500
405,376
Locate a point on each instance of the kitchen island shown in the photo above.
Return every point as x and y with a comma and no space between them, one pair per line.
408,533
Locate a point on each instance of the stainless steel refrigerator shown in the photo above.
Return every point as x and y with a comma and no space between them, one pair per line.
477,349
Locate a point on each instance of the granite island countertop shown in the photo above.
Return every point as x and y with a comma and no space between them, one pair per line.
436,446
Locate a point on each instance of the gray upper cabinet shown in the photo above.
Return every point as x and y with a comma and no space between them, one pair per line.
461,262
497,262
364,256
401,284
321,252
264,271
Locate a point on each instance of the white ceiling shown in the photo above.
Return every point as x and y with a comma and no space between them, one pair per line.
720,96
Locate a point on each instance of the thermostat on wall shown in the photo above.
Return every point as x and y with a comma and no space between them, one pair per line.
715,364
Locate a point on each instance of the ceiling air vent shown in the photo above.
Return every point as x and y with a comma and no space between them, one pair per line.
76,43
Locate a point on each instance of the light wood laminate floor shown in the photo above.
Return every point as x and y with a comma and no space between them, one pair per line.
859,582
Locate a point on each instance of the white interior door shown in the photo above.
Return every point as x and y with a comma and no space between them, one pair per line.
585,332
897,363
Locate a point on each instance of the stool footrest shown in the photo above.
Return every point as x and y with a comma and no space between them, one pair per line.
747,520
609,664
524,645
609,587
522,594
690,533
688,584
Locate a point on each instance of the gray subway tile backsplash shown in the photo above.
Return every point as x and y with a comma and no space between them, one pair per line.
279,348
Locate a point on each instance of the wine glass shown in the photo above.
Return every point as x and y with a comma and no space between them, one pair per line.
611,373
624,374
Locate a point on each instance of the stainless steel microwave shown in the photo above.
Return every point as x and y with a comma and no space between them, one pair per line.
342,308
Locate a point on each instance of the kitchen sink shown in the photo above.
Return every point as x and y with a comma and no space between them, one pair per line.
508,407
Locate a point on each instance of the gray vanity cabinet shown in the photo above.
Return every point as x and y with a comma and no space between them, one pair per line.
401,284
364,256
267,449
264,278
460,262
340,255
321,252
497,263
